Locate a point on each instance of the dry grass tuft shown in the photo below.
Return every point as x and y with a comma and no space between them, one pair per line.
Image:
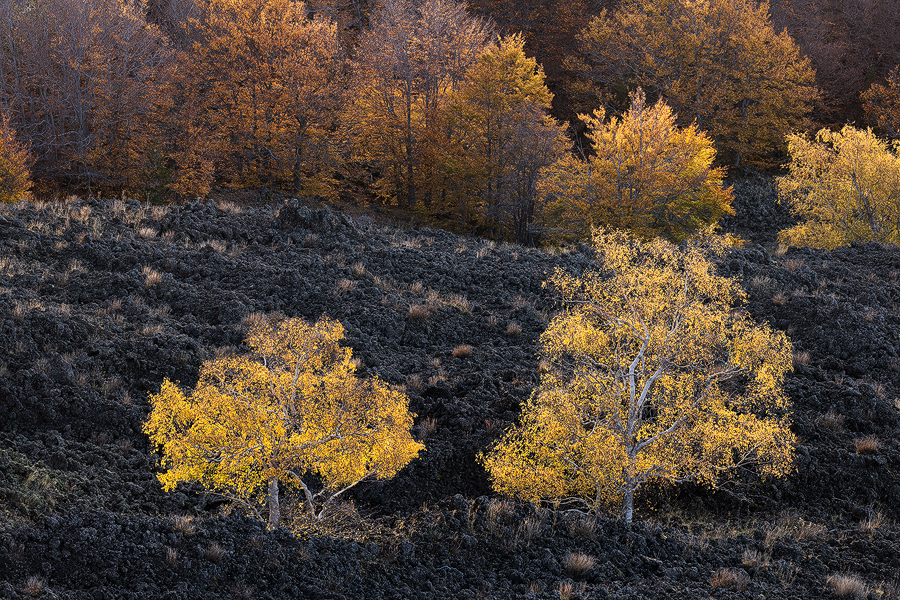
578,564
184,524
214,553
866,445
730,578
801,358
569,589
417,287
462,351
513,329
151,276
343,286
419,312
358,269
530,528
831,420
427,426
310,240
461,302
780,299
35,585
872,523
755,559
584,528
414,382
847,586
171,557
147,232
793,264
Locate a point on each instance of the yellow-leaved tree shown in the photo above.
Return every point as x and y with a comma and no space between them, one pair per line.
844,186
657,375
717,62
292,412
882,104
647,175
15,176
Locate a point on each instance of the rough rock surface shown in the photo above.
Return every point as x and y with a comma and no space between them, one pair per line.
100,300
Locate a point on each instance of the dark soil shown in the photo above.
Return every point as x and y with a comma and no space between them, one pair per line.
100,300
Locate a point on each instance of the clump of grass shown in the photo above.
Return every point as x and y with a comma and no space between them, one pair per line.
147,232
847,586
755,559
872,523
418,312
578,564
584,528
513,329
343,286
358,269
461,302
215,553
801,358
793,264
151,276
427,426
530,528
569,589
462,351
730,578
184,524
866,445
34,585
171,557
414,382
310,240
780,299
831,420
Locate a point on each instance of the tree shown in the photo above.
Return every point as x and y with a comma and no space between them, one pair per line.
646,175
844,186
86,83
291,412
501,138
15,177
718,63
882,104
266,79
414,56
656,376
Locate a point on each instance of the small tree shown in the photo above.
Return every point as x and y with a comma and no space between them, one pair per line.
882,104
655,376
844,186
647,175
291,412
15,177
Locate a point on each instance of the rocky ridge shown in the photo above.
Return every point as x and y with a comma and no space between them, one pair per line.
100,300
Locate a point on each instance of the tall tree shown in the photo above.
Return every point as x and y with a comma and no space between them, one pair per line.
15,176
410,61
882,104
505,137
266,79
717,62
85,82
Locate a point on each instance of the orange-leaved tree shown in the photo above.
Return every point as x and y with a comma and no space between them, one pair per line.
15,176
717,62
656,376
647,175
500,137
882,104
291,412
844,186
266,79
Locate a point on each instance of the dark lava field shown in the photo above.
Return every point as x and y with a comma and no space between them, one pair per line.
102,299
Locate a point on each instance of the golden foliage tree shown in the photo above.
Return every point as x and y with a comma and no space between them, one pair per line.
717,62
407,65
844,186
15,176
655,376
882,104
264,83
501,136
646,175
291,412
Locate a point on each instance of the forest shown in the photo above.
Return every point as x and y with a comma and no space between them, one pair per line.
518,120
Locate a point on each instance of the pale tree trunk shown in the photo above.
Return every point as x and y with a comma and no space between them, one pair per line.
628,503
274,505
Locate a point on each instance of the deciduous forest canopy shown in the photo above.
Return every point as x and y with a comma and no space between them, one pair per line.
455,110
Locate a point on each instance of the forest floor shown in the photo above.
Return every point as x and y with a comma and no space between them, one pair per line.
102,299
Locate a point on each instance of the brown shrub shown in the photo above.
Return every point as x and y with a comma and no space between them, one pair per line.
847,586
462,351
730,578
866,445
577,564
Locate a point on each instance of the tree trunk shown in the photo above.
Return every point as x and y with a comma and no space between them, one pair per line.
628,503
274,505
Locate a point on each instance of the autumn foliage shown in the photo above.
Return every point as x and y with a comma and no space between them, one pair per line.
290,413
719,63
646,175
882,104
843,186
15,176
655,376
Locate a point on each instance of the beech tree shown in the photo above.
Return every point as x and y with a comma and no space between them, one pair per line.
882,104
501,137
646,175
264,84
86,83
410,61
656,376
292,413
844,186
718,63
15,176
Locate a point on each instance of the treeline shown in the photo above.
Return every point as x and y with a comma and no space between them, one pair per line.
443,110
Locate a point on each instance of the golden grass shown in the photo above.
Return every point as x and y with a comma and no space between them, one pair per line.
734,579
866,445
847,586
462,351
578,564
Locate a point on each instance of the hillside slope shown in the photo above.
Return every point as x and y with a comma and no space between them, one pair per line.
100,300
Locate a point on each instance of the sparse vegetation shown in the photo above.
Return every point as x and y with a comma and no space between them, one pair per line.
734,579
847,586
